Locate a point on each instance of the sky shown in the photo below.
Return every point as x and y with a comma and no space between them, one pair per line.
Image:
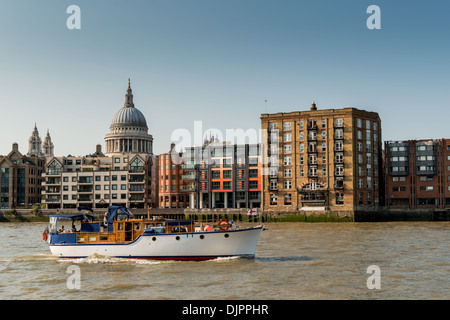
222,62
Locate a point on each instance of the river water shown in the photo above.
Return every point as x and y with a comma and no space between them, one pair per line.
294,261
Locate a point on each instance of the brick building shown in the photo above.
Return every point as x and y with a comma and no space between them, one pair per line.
417,174
172,193
20,178
322,159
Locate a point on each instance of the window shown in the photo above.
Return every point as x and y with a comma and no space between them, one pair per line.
287,137
398,189
287,184
339,134
287,126
339,171
273,199
302,148
339,158
300,124
273,185
287,199
137,165
251,185
301,137
426,188
338,122
287,173
272,125
227,185
287,148
338,146
359,133
339,198
324,135
287,161
215,185
324,147
252,173
324,123
227,173
359,123
313,172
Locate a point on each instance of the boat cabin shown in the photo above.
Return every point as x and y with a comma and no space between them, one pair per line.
118,226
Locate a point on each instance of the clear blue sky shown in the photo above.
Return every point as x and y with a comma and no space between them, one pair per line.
218,61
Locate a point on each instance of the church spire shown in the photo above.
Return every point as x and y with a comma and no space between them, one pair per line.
34,143
47,146
129,97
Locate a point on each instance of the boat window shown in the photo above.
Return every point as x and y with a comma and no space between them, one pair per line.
137,226
92,238
80,239
120,226
121,217
103,238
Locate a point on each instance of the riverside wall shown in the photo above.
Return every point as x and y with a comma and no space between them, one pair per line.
381,215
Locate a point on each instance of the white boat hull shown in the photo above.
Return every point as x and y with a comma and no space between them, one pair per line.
172,246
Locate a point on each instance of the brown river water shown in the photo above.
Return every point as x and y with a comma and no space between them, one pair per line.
294,261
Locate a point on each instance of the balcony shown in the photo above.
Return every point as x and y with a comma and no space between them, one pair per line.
85,189
189,176
136,179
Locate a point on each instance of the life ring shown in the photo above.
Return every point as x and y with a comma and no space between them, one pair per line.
223,225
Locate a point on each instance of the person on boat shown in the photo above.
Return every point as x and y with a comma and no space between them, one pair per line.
207,228
232,225
62,230
73,228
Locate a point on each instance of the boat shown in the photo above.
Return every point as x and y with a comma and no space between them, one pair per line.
122,235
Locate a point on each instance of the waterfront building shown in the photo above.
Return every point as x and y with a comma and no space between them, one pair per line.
98,182
172,193
417,174
126,174
20,178
320,160
222,175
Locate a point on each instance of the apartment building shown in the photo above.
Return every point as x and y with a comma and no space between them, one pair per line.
98,182
20,178
327,159
417,174
221,175
172,193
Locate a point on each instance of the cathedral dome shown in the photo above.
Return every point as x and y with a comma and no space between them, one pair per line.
128,130
129,115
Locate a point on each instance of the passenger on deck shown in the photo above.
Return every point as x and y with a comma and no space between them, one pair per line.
233,226
61,230
207,228
74,229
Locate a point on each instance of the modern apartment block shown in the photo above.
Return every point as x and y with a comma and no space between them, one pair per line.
99,182
220,175
417,174
327,159
20,178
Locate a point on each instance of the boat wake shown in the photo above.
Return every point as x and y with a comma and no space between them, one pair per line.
99,259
